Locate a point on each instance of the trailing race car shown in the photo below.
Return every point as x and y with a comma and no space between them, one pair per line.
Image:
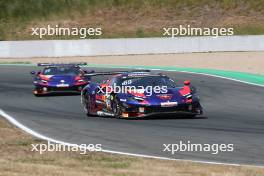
59,78
139,94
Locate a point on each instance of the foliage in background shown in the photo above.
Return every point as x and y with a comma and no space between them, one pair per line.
20,13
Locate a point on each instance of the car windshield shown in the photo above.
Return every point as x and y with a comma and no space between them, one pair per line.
147,81
61,71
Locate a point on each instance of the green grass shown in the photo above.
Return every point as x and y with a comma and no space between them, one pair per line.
30,9
253,30
17,15
14,62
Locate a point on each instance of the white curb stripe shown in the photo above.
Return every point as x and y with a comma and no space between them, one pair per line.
43,137
38,135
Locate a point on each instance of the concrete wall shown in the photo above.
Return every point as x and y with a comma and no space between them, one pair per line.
96,47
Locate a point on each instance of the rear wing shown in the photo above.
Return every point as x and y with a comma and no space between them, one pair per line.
61,64
116,72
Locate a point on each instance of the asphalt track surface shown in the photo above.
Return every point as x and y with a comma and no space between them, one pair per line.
234,113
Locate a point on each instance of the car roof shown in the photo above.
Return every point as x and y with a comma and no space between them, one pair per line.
138,75
64,66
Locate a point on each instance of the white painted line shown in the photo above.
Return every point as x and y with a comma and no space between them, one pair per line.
38,135
43,137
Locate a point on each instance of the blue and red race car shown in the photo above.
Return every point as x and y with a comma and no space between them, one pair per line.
139,94
59,78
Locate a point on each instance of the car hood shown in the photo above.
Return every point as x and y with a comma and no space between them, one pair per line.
156,99
62,79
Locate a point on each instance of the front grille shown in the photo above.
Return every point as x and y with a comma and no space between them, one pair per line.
166,109
63,89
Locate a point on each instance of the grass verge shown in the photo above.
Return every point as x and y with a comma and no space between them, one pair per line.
15,62
18,159
128,18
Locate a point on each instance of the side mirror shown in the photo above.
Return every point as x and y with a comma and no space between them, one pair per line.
187,82
32,72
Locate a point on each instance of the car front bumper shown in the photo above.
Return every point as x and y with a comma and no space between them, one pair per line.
145,111
43,90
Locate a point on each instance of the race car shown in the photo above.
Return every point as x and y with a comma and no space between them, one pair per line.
128,95
59,78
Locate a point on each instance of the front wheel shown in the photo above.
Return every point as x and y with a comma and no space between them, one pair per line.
117,108
86,104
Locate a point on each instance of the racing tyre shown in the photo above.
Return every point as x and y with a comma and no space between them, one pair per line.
86,104
117,109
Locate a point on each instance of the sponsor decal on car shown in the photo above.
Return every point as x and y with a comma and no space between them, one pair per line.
63,85
169,104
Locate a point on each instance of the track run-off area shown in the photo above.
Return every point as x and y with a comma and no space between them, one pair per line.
233,114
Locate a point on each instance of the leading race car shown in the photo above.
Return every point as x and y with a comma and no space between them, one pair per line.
139,94
59,78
